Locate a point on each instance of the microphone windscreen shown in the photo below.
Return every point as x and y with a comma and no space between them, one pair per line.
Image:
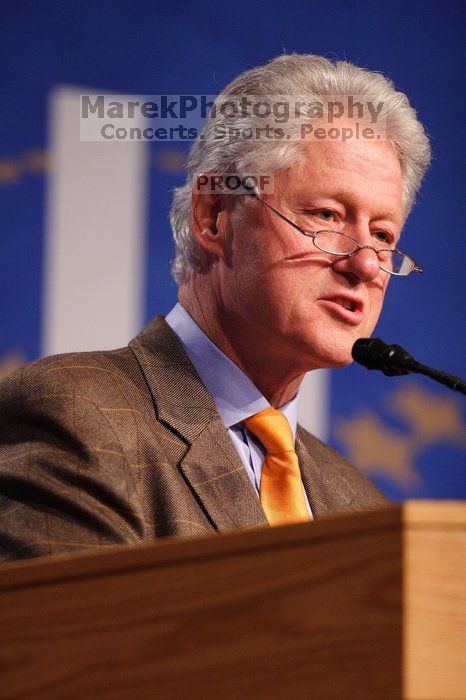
369,352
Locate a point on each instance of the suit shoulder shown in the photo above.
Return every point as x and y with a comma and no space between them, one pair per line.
67,440
97,375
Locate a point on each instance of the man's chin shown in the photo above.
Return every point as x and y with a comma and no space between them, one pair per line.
339,363
331,359
331,351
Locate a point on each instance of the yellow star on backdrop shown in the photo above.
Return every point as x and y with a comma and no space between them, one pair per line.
376,449
431,417
12,169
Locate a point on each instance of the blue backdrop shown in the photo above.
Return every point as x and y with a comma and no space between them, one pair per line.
408,435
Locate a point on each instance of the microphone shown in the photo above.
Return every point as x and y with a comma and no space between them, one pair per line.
392,360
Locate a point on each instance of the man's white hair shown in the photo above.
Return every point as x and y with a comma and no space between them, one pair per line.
291,76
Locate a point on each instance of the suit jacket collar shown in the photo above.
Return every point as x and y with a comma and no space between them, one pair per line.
210,464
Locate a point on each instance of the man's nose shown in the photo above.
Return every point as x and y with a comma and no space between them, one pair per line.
363,264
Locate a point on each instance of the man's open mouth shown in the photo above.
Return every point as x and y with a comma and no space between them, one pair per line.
351,304
346,303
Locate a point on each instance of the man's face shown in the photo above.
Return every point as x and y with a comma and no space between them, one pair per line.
276,288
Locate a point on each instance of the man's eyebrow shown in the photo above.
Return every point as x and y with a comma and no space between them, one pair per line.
387,214
343,196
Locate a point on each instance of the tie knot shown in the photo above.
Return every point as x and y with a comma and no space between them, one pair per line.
272,429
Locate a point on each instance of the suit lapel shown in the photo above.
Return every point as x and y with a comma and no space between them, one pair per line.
211,465
327,490
216,474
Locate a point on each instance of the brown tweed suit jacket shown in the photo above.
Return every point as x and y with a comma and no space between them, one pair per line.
126,446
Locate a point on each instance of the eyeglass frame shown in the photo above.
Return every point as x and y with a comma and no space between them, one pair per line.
308,234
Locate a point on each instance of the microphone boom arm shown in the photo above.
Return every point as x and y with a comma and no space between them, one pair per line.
392,360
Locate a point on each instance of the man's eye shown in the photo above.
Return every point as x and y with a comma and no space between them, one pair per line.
324,214
383,237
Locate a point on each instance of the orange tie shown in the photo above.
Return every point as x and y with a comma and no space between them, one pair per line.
281,489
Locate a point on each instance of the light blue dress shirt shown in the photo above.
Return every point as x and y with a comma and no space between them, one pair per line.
235,396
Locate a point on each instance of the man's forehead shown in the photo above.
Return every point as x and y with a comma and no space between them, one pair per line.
351,155
349,174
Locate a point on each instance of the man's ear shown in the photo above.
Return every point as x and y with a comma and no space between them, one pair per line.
208,211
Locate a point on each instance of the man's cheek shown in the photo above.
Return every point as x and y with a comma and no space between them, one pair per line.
375,311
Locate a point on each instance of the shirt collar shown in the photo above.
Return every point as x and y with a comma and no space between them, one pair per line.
235,396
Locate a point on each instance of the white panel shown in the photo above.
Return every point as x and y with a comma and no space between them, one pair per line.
95,236
314,406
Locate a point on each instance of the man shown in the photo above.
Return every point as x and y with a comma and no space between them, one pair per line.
192,428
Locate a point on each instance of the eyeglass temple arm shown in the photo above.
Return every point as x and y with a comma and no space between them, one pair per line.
254,193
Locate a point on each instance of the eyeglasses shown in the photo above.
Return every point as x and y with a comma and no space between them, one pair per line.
336,243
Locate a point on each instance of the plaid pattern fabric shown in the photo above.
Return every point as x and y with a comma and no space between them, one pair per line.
126,446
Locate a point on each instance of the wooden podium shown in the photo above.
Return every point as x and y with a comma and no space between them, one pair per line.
372,605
